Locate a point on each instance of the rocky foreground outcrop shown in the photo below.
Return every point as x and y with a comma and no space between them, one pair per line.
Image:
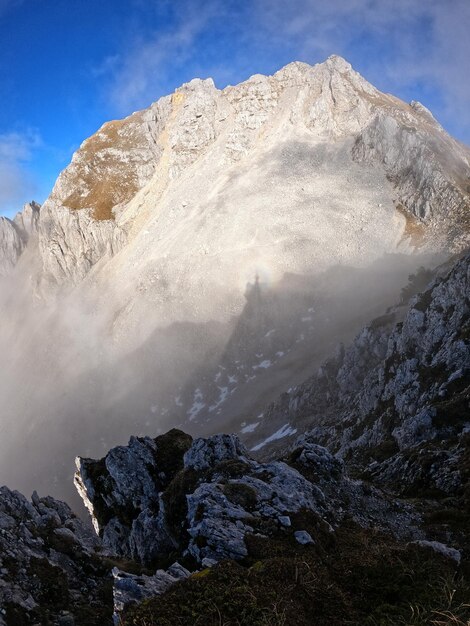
50,571
177,516
203,498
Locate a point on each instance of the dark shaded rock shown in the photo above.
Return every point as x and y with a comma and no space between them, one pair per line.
50,566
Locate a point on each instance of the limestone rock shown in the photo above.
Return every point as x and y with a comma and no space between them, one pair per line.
72,242
311,127
218,496
303,537
48,562
204,454
27,220
129,588
122,493
396,401
11,245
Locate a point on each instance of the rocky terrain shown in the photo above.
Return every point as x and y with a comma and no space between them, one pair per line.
173,515
351,523
399,394
285,260
127,292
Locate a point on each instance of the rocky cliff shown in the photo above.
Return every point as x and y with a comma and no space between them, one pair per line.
205,162
11,245
396,401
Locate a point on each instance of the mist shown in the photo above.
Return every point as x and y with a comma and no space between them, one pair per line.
68,388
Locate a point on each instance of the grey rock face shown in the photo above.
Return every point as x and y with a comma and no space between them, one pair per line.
48,561
27,220
11,245
130,589
122,493
72,242
218,496
425,165
447,551
398,396
303,537
204,453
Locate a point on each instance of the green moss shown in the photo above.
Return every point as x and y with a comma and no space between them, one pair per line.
384,450
241,494
433,375
359,577
16,615
176,507
171,448
202,573
232,468
454,411
50,584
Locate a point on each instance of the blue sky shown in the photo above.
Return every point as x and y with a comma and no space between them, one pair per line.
67,66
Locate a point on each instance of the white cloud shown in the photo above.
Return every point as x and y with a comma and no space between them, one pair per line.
424,42
16,183
397,44
142,70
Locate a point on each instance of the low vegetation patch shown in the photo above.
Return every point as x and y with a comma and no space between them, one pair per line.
352,576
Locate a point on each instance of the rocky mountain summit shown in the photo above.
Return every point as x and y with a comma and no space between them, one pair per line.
236,261
350,159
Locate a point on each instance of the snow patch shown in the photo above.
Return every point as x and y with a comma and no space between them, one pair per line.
198,405
284,431
249,428
263,365
222,397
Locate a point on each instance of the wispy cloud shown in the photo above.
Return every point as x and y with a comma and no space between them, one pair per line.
400,43
403,46
143,68
16,183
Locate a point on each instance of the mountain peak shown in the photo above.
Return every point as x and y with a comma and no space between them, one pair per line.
196,84
338,63
138,168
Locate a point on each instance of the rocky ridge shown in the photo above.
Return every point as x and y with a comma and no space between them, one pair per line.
49,564
11,245
138,512
130,182
395,403
15,234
